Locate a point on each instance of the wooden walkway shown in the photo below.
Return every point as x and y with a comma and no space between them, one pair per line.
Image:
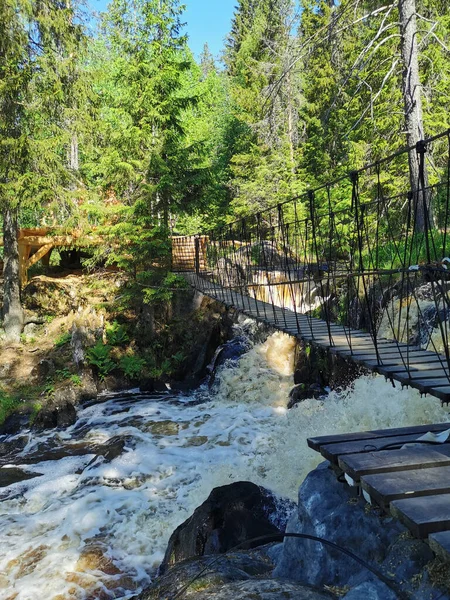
411,366
412,483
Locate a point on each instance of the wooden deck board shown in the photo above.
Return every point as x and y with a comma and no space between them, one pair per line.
332,452
383,461
316,442
424,515
384,488
440,544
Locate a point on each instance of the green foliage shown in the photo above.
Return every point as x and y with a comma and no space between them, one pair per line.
131,365
63,339
76,379
8,404
37,406
99,357
116,334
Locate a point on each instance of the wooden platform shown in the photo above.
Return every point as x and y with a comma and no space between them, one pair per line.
412,483
411,366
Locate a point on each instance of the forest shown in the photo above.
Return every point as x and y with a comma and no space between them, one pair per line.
113,126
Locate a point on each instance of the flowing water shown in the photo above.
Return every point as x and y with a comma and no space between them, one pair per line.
96,520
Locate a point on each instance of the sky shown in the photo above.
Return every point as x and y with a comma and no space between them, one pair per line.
206,21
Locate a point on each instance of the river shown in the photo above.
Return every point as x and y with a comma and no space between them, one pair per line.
95,526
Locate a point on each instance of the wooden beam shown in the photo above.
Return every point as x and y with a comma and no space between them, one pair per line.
43,250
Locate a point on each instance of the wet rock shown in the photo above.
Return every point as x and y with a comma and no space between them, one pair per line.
14,423
303,391
63,415
9,447
93,558
163,428
230,515
147,385
10,475
209,571
113,448
230,351
25,563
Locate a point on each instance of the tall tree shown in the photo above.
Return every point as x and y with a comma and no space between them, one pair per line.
38,41
258,47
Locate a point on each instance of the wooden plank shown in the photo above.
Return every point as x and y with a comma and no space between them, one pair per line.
442,391
316,442
417,368
384,488
424,385
332,452
424,515
425,373
383,461
440,544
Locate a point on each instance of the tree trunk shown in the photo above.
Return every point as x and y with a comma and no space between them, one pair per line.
13,318
290,122
412,99
74,163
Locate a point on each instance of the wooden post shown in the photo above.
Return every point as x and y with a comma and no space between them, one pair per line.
197,255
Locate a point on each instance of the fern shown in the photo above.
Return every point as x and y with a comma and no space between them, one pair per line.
99,357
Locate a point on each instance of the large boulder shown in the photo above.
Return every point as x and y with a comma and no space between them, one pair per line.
62,415
242,575
332,511
231,515
208,571
262,589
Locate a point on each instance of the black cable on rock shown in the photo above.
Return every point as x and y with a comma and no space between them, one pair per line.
391,584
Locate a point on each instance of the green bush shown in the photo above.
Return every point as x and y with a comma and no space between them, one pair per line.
76,380
7,405
116,334
99,357
131,365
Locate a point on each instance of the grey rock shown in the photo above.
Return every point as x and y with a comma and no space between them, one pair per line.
30,329
62,415
45,368
371,590
208,571
330,510
78,342
406,557
14,423
262,589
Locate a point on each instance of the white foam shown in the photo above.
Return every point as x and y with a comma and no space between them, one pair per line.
132,504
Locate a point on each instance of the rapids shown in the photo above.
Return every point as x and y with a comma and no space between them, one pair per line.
93,526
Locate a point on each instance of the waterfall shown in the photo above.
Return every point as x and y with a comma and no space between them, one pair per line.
94,524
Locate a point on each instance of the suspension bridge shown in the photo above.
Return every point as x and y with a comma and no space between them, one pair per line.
359,266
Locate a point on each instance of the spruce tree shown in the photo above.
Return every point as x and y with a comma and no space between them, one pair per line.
38,41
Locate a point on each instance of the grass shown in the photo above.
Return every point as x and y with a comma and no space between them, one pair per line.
22,396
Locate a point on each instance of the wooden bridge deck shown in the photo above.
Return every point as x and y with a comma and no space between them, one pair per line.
411,366
412,483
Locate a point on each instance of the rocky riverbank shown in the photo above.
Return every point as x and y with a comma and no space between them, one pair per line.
205,561
84,339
